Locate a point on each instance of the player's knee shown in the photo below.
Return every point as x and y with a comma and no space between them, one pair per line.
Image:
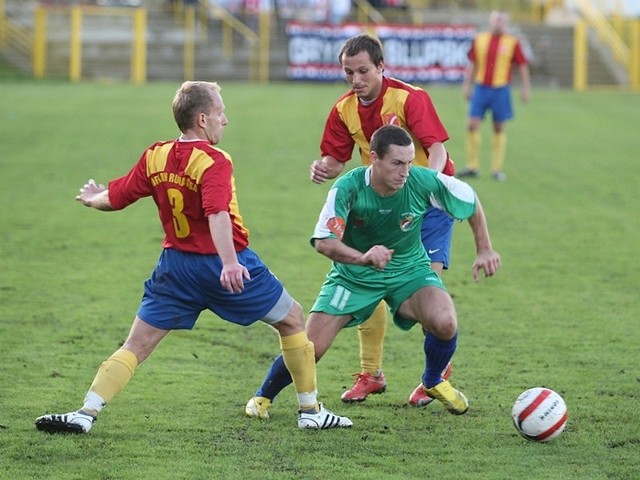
445,327
293,321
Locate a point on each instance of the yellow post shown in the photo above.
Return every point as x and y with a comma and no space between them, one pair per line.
580,56
203,20
265,40
75,58
634,58
189,43
227,40
139,56
3,25
537,13
39,42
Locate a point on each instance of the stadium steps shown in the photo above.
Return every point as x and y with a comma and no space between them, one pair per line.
107,49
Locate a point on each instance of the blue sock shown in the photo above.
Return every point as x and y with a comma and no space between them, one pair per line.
438,354
277,378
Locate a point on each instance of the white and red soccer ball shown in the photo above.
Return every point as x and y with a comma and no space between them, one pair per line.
539,414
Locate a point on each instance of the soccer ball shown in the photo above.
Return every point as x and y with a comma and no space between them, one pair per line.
539,414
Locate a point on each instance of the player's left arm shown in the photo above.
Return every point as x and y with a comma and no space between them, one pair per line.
425,124
233,273
487,259
523,68
525,89
437,156
459,200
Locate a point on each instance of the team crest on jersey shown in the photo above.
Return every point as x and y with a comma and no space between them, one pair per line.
336,225
407,221
390,119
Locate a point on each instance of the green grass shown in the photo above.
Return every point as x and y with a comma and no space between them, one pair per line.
563,311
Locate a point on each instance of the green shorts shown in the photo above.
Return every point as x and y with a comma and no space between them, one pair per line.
342,295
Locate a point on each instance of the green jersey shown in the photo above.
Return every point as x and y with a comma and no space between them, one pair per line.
357,215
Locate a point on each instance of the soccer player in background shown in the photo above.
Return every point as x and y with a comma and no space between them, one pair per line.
491,58
205,262
370,227
372,101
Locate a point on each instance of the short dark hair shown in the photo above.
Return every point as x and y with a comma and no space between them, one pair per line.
389,135
363,43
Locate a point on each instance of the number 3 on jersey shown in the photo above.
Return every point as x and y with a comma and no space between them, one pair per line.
180,222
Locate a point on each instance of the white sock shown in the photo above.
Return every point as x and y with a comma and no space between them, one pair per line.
93,402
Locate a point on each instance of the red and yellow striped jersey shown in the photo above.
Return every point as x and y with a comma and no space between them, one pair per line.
188,181
351,122
494,56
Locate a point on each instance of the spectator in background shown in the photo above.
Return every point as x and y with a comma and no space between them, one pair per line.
339,11
492,56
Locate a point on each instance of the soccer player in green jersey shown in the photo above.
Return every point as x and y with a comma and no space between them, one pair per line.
370,229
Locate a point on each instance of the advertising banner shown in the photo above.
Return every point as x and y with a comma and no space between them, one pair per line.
413,53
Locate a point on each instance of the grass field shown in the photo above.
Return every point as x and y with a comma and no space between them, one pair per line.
562,313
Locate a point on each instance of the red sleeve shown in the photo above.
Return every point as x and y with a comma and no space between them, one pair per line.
518,55
217,187
131,187
423,120
336,139
471,54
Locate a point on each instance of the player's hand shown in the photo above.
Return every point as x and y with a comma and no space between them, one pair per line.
378,256
488,261
232,277
89,192
466,92
318,172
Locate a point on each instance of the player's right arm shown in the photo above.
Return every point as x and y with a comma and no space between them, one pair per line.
330,229
469,72
467,83
95,196
377,256
336,146
326,168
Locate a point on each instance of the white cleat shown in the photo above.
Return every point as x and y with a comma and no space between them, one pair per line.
72,422
322,420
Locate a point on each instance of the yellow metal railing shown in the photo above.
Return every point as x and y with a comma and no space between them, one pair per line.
365,13
605,31
418,11
18,37
195,19
621,36
76,16
3,25
580,60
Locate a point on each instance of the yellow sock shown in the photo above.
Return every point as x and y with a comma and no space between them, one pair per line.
474,142
299,357
498,149
114,374
371,334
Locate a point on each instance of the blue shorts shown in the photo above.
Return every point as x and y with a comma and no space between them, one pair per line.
437,230
498,100
184,284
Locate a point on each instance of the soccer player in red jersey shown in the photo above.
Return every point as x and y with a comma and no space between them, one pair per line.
492,56
205,263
